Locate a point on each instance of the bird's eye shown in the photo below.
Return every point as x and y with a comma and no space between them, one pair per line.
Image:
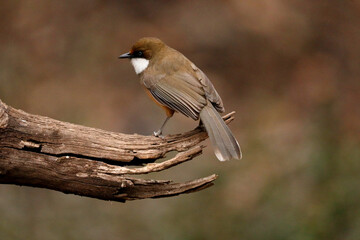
139,54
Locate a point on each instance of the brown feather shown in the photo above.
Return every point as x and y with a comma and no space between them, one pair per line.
176,84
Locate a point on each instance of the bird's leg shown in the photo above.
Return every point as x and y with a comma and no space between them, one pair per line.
159,132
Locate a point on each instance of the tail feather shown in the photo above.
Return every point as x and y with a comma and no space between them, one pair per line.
224,143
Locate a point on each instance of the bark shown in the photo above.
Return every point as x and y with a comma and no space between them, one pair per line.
42,152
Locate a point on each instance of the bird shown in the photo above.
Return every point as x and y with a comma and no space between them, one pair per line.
176,84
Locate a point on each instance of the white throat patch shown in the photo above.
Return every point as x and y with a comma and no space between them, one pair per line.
139,64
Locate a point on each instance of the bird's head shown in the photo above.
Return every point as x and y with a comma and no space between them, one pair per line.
142,52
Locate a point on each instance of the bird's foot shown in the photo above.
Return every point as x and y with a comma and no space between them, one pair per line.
158,134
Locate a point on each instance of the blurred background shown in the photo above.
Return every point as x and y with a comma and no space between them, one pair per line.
290,69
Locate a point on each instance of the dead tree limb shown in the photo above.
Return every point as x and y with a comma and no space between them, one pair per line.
42,152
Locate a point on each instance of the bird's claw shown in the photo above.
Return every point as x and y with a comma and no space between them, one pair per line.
158,134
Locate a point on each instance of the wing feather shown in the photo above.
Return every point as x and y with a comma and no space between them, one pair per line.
181,86
179,96
210,91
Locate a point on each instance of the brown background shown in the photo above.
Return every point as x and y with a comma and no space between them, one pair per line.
289,68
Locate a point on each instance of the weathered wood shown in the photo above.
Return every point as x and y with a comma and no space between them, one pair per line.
42,152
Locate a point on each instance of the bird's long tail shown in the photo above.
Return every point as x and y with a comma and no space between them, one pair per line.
224,143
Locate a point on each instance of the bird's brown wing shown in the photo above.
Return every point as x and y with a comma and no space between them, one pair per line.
210,92
177,93
181,86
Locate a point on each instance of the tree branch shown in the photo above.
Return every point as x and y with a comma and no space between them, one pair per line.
42,152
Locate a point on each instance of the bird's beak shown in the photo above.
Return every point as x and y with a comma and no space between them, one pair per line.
125,55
